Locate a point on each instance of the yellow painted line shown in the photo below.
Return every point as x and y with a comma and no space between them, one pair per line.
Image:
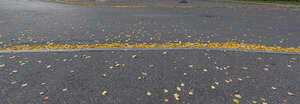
75,0
127,6
142,6
226,45
113,6
160,6
134,6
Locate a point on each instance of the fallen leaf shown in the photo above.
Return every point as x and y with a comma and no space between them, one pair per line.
182,84
133,56
236,101
165,52
178,88
213,87
191,92
42,93
291,94
166,91
24,85
148,93
65,89
285,100
166,100
176,96
2,65
13,82
104,93
46,98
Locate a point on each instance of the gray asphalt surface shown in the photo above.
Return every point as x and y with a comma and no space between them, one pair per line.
33,22
82,74
198,76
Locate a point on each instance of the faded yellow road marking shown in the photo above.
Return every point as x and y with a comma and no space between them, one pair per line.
75,0
227,45
141,6
153,6
134,6
113,6
127,6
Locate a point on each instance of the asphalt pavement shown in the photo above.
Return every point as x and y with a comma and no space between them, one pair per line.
148,76
34,22
197,76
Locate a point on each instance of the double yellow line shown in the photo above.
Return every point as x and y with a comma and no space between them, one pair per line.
226,45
